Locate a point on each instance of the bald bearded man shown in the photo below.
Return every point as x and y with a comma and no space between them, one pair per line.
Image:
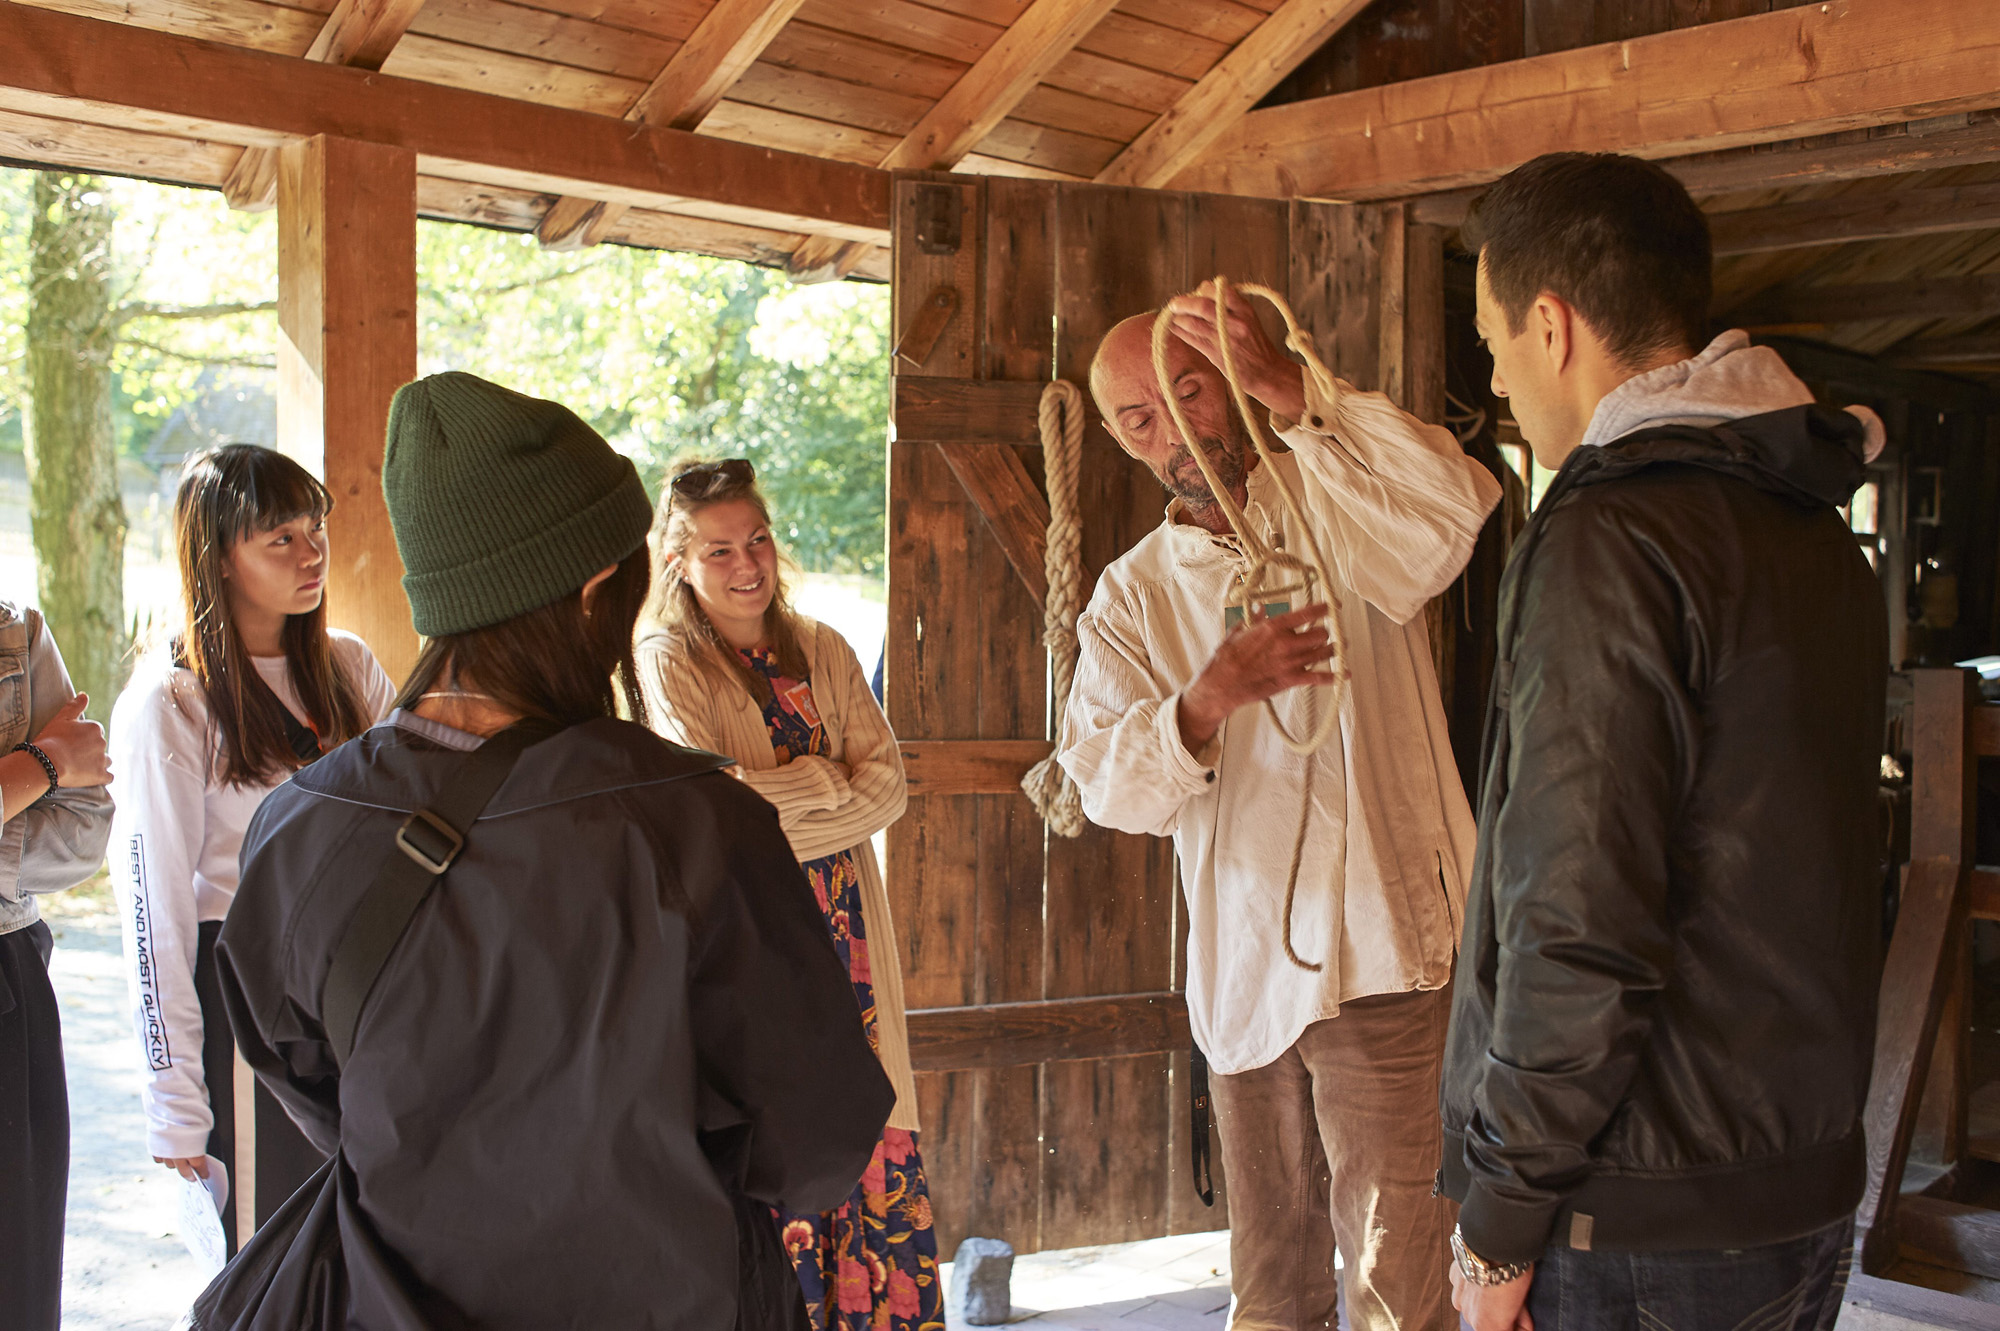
1326,1079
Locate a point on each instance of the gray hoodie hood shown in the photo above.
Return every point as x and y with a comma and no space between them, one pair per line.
1728,380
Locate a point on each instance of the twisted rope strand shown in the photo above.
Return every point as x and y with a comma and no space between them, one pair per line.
1048,786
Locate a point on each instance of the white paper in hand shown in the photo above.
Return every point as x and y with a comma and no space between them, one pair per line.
202,1201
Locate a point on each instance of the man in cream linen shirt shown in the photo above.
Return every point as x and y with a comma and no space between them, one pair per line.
1326,1080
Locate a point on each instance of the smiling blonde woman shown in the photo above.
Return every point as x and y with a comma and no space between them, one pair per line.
728,665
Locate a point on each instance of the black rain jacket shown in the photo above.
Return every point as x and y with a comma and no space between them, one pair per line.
1664,1012
625,965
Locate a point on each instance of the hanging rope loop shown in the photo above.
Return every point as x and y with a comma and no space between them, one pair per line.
1270,573
1047,785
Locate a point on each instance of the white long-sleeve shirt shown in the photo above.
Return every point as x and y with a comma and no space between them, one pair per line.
1396,506
174,841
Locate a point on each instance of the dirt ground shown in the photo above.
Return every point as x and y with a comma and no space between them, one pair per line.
124,1265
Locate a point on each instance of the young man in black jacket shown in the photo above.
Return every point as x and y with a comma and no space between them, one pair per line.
1663,1015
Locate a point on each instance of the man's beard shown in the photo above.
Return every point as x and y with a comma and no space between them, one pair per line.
1228,456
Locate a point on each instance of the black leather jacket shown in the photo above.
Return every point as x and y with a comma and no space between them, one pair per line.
1664,1012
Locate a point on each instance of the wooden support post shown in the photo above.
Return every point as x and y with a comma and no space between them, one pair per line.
1943,825
347,307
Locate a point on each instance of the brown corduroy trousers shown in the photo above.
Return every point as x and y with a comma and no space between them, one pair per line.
1336,1143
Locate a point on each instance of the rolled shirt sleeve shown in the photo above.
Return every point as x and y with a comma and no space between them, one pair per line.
1121,734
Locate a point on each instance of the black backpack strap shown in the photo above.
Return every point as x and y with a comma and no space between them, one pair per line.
305,744
426,844
299,736
1198,1116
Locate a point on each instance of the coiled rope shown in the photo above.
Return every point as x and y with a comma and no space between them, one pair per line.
1048,786
1272,574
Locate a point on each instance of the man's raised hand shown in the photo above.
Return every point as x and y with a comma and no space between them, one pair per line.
1256,661
1265,372
76,746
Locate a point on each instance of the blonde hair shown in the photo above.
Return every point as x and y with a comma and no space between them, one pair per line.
674,613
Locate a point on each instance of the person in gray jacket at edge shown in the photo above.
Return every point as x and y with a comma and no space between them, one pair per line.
53,771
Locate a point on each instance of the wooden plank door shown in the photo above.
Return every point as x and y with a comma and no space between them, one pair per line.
1044,974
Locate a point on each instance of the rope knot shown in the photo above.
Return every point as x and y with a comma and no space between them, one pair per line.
1047,785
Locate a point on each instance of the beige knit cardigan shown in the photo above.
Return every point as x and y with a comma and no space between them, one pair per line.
820,810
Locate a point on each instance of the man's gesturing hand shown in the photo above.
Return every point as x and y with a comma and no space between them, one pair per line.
75,746
1266,373
1492,1307
1256,661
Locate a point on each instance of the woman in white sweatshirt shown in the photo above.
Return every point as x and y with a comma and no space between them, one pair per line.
253,687
728,666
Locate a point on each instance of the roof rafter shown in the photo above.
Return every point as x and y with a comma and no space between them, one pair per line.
986,94
359,34
1226,93
1814,69
727,41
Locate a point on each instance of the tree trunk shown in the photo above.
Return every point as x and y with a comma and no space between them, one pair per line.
75,509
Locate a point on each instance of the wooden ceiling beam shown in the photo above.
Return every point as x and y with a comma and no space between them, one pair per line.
1980,349
1960,297
359,34
986,94
87,70
1227,92
1857,217
36,142
1814,69
1926,145
728,40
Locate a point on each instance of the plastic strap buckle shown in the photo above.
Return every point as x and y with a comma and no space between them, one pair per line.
430,841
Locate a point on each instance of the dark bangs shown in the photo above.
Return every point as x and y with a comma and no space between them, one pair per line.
227,494
258,489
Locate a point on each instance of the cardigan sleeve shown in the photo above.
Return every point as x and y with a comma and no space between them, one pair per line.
820,810
876,792
686,707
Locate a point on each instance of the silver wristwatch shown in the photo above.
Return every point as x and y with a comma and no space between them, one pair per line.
1477,1270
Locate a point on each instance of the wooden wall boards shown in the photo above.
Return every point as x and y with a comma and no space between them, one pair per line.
1043,973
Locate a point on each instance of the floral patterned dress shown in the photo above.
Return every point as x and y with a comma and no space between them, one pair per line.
871,1263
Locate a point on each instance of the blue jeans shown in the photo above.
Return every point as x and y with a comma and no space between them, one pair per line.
1791,1286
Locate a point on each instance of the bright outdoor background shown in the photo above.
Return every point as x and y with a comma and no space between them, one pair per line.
666,354
162,302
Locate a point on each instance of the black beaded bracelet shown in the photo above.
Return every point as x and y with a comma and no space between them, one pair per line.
55,783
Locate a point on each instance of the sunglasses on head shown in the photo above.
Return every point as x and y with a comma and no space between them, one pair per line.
707,478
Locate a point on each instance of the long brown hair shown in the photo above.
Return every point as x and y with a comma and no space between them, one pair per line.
226,494
673,611
554,663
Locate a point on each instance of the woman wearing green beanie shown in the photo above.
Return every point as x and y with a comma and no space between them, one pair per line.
618,1004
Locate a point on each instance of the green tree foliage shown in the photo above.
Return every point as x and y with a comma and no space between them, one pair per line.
75,509
673,355
99,340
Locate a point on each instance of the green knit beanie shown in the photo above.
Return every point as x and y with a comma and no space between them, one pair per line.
501,503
